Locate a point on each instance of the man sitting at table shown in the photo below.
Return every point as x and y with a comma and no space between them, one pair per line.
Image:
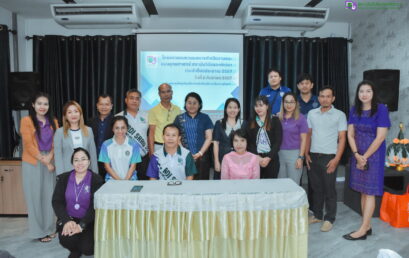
172,162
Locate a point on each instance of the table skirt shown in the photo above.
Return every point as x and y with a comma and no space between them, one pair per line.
201,234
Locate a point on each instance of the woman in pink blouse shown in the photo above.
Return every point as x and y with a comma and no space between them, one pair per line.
240,164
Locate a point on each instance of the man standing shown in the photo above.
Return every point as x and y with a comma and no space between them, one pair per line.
137,129
161,115
101,126
306,99
307,102
274,91
325,145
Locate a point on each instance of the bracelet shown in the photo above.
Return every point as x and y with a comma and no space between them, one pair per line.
201,154
355,152
301,157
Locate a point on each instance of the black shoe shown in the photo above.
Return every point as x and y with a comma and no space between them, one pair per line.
74,255
349,237
369,232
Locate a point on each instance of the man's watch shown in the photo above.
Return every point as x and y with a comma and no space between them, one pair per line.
301,157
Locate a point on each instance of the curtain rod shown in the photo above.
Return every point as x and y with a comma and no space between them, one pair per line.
31,37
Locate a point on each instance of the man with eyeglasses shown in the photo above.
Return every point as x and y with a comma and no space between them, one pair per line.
137,128
161,115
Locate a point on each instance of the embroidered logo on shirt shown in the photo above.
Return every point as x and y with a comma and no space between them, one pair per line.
315,105
180,161
86,188
143,120
127,153
281,94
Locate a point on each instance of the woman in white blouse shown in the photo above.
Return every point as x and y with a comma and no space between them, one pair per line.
71,135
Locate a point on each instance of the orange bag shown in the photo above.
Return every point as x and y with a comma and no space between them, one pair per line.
395,209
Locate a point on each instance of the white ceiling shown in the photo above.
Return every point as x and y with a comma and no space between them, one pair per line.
179,8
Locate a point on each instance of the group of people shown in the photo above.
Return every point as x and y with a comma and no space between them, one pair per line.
285,133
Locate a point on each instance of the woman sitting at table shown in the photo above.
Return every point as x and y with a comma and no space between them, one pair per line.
73,203
120,154
240,164
172,162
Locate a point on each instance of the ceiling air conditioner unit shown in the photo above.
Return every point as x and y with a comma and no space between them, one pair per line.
284,18
80,16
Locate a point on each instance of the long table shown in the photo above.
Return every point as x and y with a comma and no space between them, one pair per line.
201,219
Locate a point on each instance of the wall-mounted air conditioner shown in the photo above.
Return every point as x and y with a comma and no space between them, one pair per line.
284,18
96,15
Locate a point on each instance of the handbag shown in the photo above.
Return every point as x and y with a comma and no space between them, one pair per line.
395,209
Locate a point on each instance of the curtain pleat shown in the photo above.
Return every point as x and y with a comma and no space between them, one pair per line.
6,124
83,67
326,59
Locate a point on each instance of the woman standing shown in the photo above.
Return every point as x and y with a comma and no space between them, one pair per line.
37,131
120,154
367,128
264,138
73,203
72,135
196,131
222,132
295,129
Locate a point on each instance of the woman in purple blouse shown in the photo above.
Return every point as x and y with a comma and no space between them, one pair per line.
73,203
37,131
367,129
295,129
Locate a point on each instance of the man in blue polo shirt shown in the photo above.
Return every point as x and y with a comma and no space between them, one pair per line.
306,99
274,91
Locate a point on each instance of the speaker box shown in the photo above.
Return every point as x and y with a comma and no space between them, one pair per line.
22,88
387,85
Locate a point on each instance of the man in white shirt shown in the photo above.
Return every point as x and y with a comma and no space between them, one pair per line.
138,128
325,145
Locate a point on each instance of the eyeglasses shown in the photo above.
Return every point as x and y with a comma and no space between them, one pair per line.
177,182
79,160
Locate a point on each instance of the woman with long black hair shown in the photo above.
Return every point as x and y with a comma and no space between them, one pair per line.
367,129
264,137
223,130
37,131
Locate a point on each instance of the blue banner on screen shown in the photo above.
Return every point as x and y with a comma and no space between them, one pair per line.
213,75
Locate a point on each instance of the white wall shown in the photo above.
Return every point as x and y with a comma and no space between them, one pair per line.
6,19
381,42
32,27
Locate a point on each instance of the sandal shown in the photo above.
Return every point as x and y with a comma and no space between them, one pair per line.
45,239
53,235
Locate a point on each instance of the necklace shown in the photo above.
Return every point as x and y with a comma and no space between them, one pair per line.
77,205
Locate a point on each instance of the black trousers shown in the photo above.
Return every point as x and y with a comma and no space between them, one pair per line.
323,186
142,167
82,243
101,170
271,171
203,167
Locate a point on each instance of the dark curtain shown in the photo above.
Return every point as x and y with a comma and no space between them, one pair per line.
6,124
326,59
82,67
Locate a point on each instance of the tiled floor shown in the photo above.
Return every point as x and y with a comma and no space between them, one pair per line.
13,238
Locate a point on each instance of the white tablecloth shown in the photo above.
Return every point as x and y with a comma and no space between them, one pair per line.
213,195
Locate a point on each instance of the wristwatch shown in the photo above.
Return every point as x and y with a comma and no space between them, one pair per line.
301,157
